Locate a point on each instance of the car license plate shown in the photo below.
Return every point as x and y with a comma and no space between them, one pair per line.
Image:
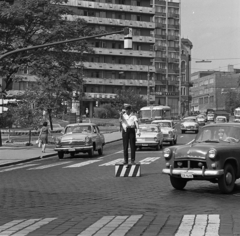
145,145
71,149
186,175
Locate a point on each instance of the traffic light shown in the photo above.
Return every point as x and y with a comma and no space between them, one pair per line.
127,38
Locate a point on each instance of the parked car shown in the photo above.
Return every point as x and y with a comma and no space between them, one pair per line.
221,119
189,124
201,119
83,137
57,128
150,136
213,156
168,129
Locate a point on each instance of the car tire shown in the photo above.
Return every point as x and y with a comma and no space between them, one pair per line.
226,182
175,141
178,183
158,147
91,152
196,131
183,131
161,145
72,154
100,151
60,155
140,148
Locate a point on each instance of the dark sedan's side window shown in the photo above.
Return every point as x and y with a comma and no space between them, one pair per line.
95,129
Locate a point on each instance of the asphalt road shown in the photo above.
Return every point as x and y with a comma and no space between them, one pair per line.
77,196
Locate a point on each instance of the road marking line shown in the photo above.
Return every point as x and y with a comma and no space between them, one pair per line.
111,163
81,164
148,160
18,167
108,155
50,165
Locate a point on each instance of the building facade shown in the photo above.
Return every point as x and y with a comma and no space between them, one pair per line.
157,60
210,89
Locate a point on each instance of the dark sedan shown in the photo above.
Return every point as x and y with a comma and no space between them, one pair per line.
213,155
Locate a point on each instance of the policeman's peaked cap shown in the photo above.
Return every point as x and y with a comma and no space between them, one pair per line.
127,106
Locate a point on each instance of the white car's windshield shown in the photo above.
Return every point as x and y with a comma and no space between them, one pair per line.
219,134
148,129
164,124
189,120
78,129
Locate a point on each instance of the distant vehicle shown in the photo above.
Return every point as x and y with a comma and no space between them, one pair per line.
221,119
57,128
212,156
222,113
236,114
210,117
150,136
80,137
149,113
189,124
168,129
201,119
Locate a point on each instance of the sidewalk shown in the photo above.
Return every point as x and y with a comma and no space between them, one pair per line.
16,153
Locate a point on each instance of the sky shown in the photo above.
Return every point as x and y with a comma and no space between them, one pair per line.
213,27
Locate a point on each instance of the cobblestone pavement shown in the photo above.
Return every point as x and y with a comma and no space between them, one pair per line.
82,196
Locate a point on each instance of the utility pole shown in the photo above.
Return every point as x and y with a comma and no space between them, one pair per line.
148,88
180,60
166,103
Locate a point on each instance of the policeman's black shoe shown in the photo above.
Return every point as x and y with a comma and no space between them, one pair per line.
132,162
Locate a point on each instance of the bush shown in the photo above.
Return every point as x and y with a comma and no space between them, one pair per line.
105,111
100,112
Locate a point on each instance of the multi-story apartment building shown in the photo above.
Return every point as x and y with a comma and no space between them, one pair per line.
210,88
156,52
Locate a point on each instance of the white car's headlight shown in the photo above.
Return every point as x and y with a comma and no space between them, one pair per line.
167,153
212,153
88,140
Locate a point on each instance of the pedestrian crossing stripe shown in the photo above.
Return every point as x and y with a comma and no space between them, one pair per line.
111,225
112,163
81,164
192,225
23,227
189,225
49,165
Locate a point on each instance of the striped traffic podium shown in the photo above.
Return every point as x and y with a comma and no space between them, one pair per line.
127,170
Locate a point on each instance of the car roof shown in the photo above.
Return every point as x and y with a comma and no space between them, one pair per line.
230,124
162,121
190,117
148,125
80,124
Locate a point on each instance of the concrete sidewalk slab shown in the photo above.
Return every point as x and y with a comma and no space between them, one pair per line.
15,153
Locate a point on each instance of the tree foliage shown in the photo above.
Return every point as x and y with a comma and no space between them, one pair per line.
232,100
131,97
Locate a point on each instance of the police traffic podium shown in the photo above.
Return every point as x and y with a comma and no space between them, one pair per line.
128,170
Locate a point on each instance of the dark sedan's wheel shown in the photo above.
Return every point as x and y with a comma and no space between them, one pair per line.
175,141
72,154
183,131
196,131
100,151
60,155
158,147
178,183
90,152
227,181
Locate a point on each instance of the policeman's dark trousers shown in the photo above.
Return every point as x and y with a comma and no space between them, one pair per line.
129,136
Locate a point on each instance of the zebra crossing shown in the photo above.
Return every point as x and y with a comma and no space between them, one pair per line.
116,225
69,164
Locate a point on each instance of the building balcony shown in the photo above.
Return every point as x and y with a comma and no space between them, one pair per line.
162,14
160,2
120,37
173,15
160,36
173,37
110,21
117,67
160,82
173,71
161,70
110,7
160,25
151,97
122,52
159,48
119,82
162,58
173,82
173,60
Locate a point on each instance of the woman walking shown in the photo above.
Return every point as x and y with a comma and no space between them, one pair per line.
43,136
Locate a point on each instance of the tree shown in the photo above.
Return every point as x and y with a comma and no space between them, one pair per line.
129,96
29,23
232,100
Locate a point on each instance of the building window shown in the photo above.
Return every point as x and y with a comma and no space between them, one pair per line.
201,101
138,18
211,99
205,100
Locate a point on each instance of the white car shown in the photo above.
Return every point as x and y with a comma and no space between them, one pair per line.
189,124
221,119
168,129
150,136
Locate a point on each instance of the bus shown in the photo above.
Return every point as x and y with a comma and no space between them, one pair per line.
237,114
156,112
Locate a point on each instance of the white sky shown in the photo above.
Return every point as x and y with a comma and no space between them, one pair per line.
213,27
